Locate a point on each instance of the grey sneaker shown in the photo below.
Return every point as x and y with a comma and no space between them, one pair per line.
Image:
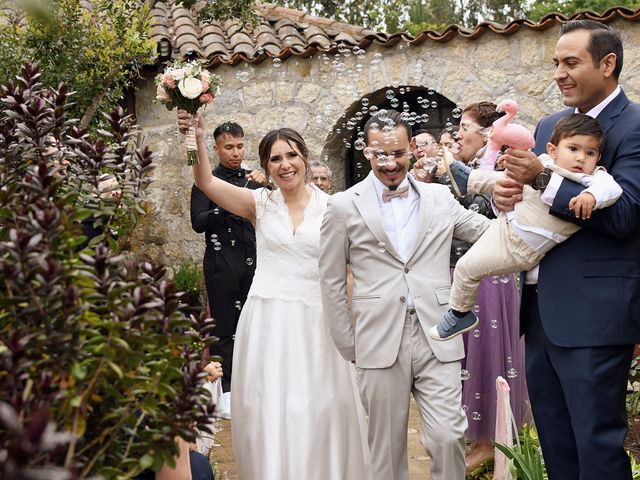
458,174
450,325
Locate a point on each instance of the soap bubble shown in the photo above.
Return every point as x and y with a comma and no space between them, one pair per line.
377,58
243,76
277,62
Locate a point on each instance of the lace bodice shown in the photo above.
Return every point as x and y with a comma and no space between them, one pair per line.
287,264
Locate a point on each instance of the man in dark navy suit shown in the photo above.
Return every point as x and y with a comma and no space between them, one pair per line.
581,310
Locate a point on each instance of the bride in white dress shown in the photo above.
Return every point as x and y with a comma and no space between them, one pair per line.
295,410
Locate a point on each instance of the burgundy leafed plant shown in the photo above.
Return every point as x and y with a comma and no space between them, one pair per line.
99,366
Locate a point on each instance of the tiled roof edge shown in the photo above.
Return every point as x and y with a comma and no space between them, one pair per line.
293,23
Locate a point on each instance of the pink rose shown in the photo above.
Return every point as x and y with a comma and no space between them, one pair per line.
205,75
206,98
205,85
168,81
161,94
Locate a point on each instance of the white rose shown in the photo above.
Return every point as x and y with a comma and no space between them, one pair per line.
177,74
190,87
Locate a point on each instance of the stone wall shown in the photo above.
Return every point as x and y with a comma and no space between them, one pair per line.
313,96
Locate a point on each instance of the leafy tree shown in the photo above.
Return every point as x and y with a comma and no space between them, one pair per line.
501,11
242,10
569,7
382,15
95,47
99,367
432,15
420,15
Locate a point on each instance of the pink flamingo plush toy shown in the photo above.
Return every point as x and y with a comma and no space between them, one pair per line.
505,133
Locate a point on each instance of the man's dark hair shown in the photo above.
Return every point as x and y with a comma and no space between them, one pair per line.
421,131
577,124
393,117
228,128
604,40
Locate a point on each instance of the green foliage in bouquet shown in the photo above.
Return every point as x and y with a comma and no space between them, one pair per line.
99,367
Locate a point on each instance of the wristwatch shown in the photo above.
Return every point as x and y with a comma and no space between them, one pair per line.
541,180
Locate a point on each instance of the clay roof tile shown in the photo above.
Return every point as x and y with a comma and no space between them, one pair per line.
284,32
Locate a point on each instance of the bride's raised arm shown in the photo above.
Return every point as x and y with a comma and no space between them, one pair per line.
236,200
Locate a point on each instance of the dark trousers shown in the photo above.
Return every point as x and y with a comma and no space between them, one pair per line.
578,402
228,279
200,469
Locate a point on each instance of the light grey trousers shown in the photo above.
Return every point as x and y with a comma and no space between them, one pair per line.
437,389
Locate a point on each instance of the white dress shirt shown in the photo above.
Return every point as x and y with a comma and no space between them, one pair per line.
400,218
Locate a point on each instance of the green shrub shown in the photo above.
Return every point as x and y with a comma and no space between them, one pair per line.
526,456
188,277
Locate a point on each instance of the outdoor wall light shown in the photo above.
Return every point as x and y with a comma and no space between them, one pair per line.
164,50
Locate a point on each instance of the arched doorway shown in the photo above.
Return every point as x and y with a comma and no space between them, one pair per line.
427,110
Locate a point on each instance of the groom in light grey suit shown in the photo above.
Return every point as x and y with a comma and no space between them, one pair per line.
396,235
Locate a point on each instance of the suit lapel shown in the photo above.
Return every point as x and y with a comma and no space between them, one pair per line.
612,111
366,201
607,119
424,219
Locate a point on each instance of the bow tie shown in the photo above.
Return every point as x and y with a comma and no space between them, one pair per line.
387,194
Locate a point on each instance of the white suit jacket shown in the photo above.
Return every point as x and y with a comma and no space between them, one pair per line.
351,233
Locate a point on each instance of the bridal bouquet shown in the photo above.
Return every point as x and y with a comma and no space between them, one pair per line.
188,86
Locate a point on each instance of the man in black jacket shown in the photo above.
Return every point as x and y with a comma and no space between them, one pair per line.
230,254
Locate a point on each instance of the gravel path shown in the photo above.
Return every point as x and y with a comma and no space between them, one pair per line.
222,455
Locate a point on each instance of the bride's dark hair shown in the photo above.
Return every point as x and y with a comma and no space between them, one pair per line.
290,136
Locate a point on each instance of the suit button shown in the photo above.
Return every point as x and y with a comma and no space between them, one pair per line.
403,299
406,270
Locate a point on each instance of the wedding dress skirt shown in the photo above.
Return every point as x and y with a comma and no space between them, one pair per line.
295,409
